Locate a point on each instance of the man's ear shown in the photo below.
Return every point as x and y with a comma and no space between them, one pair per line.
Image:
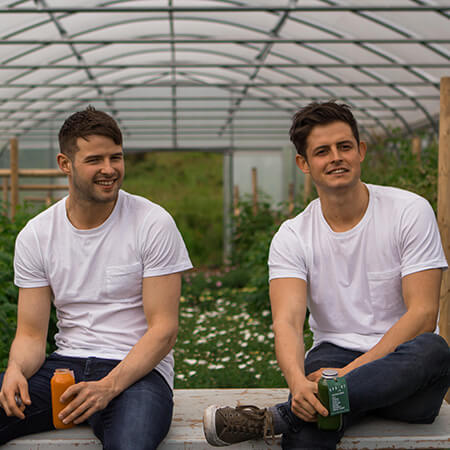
64,163
362,150
302,163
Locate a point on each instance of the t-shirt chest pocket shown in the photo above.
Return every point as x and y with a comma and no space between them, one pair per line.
124,282
386,289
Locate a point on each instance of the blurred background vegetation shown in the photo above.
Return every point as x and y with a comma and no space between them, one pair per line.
225,337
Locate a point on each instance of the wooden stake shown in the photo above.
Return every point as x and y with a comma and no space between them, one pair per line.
416,147
255,190
307,187
5,187
14,165
444,204
236,209
291,198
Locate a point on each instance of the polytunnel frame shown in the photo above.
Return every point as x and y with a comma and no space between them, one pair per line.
284,14
237,91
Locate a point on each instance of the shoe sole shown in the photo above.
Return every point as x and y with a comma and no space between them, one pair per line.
209,427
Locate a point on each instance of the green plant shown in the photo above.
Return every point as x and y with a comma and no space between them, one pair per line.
391,163
9,229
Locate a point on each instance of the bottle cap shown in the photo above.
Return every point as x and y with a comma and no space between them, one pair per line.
329,373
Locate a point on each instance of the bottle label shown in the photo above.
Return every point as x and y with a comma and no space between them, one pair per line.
338,396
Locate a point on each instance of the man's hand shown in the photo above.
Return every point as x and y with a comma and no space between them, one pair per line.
85,399
14,396
305,403
317,375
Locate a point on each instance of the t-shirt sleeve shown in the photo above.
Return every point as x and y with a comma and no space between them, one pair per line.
287,257
29,268
420,241
162,247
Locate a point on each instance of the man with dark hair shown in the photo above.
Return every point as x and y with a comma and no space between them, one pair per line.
366,261
111,263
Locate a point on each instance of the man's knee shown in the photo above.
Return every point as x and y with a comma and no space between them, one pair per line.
430,346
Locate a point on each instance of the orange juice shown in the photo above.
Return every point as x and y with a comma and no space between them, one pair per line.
61,380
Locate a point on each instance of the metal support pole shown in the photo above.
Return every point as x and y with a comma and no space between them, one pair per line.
227,205
14,165
255,190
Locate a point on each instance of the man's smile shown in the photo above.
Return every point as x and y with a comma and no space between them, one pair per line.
338,170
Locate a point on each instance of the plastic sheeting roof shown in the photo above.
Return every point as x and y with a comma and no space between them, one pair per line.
185,74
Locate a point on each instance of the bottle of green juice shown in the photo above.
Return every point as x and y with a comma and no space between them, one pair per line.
328,423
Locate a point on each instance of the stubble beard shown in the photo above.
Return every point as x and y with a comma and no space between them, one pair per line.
86,192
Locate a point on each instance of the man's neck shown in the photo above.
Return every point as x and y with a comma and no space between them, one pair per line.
87,215
343,210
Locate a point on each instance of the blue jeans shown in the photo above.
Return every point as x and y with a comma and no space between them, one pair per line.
409,384
137,419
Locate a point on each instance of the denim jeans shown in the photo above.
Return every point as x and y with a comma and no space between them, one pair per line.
408,384
137,419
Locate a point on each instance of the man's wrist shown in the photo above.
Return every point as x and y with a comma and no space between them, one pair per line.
14,365
296,380
112,384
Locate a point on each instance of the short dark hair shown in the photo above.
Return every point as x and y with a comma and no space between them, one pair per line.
87,123
319,114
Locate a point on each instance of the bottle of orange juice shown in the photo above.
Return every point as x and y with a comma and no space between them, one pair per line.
61,380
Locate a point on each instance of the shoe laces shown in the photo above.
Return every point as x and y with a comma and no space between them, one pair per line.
257,416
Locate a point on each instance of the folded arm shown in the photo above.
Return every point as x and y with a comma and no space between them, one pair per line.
421,295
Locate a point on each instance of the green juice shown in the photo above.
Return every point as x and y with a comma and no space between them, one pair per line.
328,423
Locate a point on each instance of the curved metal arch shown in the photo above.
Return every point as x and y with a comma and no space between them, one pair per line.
148,51
325,90
120,23
337,58
265,32
51,117
194,9
381,53
401,93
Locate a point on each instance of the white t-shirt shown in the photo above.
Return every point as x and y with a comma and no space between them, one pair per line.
354,277
96,274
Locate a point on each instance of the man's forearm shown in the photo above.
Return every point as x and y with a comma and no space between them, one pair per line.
410,325
154,345
290,351
27,354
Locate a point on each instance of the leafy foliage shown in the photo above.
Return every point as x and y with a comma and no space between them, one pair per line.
391,163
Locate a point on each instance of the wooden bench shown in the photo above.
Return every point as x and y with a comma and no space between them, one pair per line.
186,432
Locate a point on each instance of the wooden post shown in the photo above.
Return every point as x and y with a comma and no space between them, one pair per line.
255,190
236,209
291,199
307,187
416,147
5,187
14,165
444,204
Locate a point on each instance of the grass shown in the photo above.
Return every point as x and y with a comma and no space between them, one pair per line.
224,341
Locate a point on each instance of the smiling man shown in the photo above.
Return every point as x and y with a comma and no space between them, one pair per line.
366,261
111,264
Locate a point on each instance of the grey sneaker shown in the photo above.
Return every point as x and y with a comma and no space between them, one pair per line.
226,426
